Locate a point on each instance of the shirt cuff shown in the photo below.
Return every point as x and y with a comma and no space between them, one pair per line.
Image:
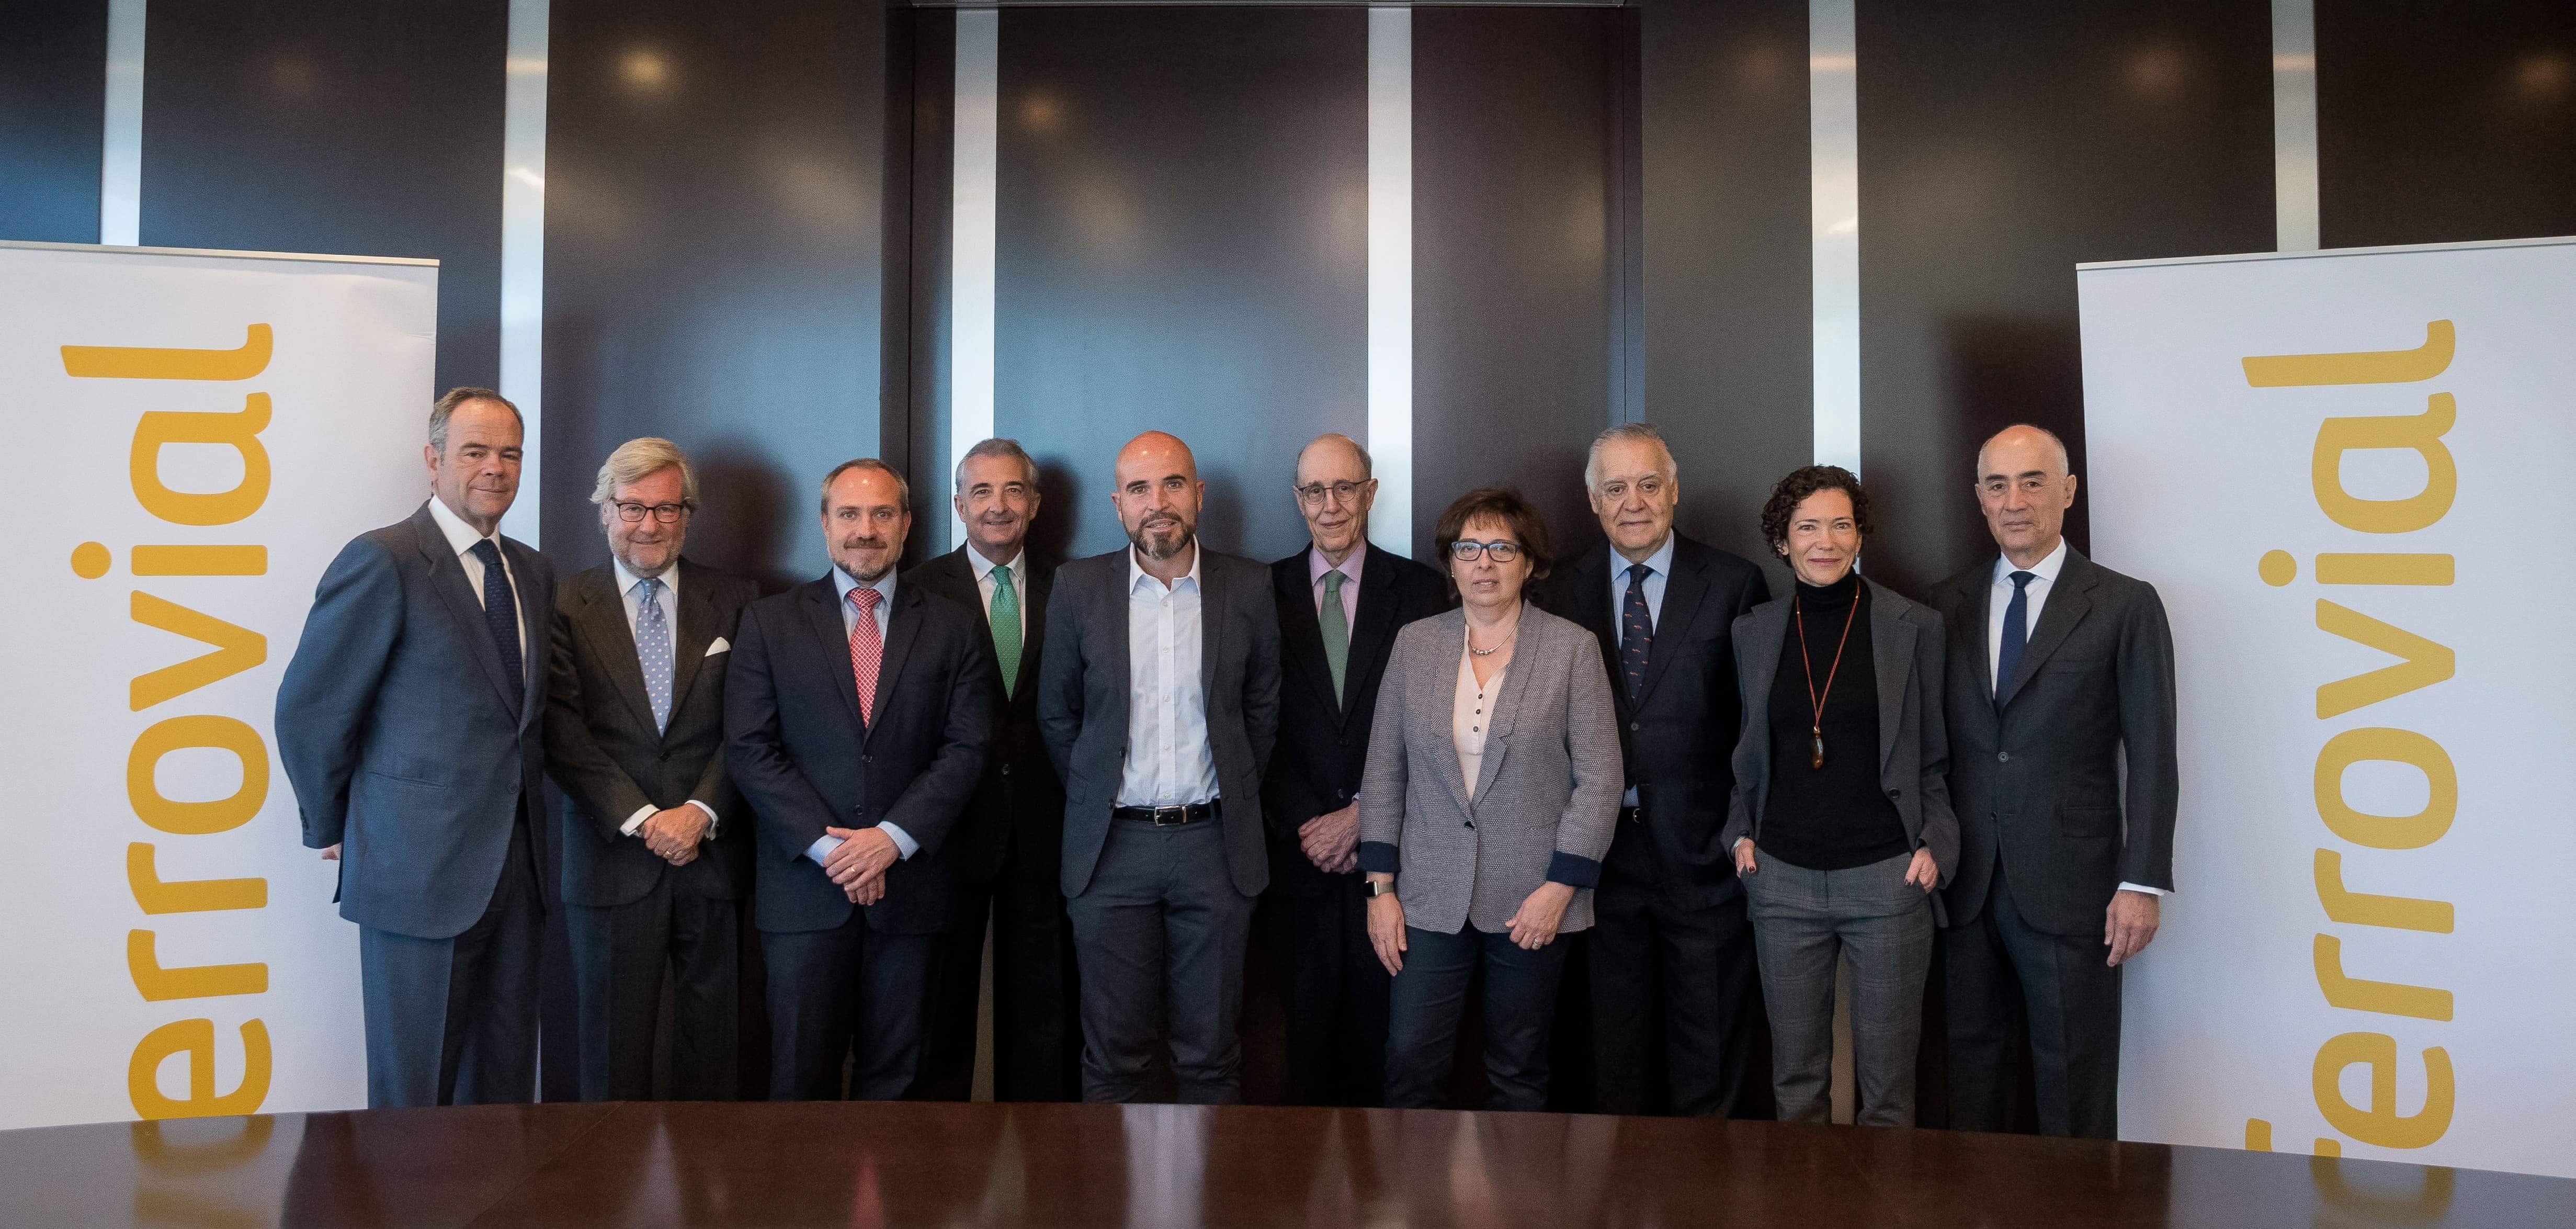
903,842
2140,887
637,819
1380,858
714,821
1573,870
822,848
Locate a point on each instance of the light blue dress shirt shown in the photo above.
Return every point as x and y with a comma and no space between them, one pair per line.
1168,759
1658,566
842,583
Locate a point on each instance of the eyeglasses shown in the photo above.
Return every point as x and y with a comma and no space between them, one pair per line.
1466,550
1342,492
633,513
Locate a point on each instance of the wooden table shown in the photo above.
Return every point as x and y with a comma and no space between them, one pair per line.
860,1165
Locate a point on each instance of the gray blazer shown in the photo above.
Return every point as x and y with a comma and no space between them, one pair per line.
1913,739
1082,702
1547,792
405,739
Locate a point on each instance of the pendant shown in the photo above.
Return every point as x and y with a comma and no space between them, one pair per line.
1818,745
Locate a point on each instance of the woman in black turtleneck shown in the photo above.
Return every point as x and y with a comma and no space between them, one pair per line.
1841,822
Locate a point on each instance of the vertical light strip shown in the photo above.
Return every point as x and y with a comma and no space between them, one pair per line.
2294,124
974,179
523,247
1833,171
120,167
1390,275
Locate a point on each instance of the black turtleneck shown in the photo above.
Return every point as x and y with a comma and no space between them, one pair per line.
1836,817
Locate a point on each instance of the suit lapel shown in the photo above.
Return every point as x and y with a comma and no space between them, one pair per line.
1891,641
1760,648
1979,595
903,626
603,608
696,631
1591,580
1436,709
463,604
1211,628
1372,628
536,642
1507,704
1303,628
1684,589
823,615
1033,604
2069,600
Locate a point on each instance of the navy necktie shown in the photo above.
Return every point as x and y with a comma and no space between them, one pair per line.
1636,629
501,616
2016,633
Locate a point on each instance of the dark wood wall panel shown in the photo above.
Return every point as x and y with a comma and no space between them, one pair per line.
714,232
1181,244
2445,123
53,99
2001,143
1515,140
1727,249
350,129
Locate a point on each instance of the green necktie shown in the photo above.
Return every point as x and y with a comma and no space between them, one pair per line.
1337,631
1006,626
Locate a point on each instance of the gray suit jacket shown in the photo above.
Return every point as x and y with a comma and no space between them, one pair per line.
2036,774
1547,790
609,759
398,729
1082,701
1913,738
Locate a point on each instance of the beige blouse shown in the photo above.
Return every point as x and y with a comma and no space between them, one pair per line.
1469,717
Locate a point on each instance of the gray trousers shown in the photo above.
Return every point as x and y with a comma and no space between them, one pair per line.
1158,938
1804,921
621,955
454,1021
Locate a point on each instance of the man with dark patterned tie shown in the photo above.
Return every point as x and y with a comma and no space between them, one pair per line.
656,844
856,718
411,723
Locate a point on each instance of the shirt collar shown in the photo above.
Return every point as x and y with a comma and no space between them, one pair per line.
2045,571
1136,573
461,537
626,579
1349,567
843,582
982,567
1661,561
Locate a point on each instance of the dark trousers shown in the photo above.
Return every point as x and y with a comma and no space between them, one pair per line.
1036,1033
1337,994
1804,922
1430,994
454,1021
1160,934
834,990
620,955
1682,979
2009,981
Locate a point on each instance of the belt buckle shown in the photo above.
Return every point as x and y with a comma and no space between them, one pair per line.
1179,814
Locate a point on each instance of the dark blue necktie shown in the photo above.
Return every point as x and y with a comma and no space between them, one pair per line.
501,615
1636,629
2016,634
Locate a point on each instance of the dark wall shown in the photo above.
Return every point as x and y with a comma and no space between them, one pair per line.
2001,143
350,129
1515,139
2445,123
713,239
53,99
1182,244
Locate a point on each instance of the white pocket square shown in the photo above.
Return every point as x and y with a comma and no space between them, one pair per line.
720,646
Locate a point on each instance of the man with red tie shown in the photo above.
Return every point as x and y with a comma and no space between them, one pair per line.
856,717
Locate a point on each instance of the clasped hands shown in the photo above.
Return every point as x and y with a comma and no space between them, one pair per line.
858,864
673,834
1332,840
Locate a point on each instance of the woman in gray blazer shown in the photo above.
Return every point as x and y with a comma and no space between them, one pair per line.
1492,785
1840,822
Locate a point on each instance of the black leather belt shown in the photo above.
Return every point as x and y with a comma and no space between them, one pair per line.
1165,817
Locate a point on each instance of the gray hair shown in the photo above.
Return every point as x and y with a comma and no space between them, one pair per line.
1368,465
1634,432
638,459
445,408
902,489
2065,462
997,447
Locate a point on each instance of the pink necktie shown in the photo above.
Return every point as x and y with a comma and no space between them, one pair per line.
867,650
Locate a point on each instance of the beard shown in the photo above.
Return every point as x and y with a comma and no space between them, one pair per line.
1164,540
849,556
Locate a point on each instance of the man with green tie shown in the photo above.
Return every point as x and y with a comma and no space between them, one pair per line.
1010,841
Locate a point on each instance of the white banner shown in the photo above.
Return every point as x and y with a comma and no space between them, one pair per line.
2349,475
196,436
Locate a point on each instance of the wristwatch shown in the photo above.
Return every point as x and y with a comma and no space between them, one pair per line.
1381,887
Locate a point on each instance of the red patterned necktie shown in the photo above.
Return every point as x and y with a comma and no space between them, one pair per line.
867,649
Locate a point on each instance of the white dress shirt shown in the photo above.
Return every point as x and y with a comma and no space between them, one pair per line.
1468,715
462,537
669,601
983,569
1659,566
1169,762
1349,567
842,583
2043,579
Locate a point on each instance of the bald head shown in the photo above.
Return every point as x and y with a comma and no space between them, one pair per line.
1334,494
1157,496
2024,487
2019,439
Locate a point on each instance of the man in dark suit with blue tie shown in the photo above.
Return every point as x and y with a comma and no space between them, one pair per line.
857,713
411,723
